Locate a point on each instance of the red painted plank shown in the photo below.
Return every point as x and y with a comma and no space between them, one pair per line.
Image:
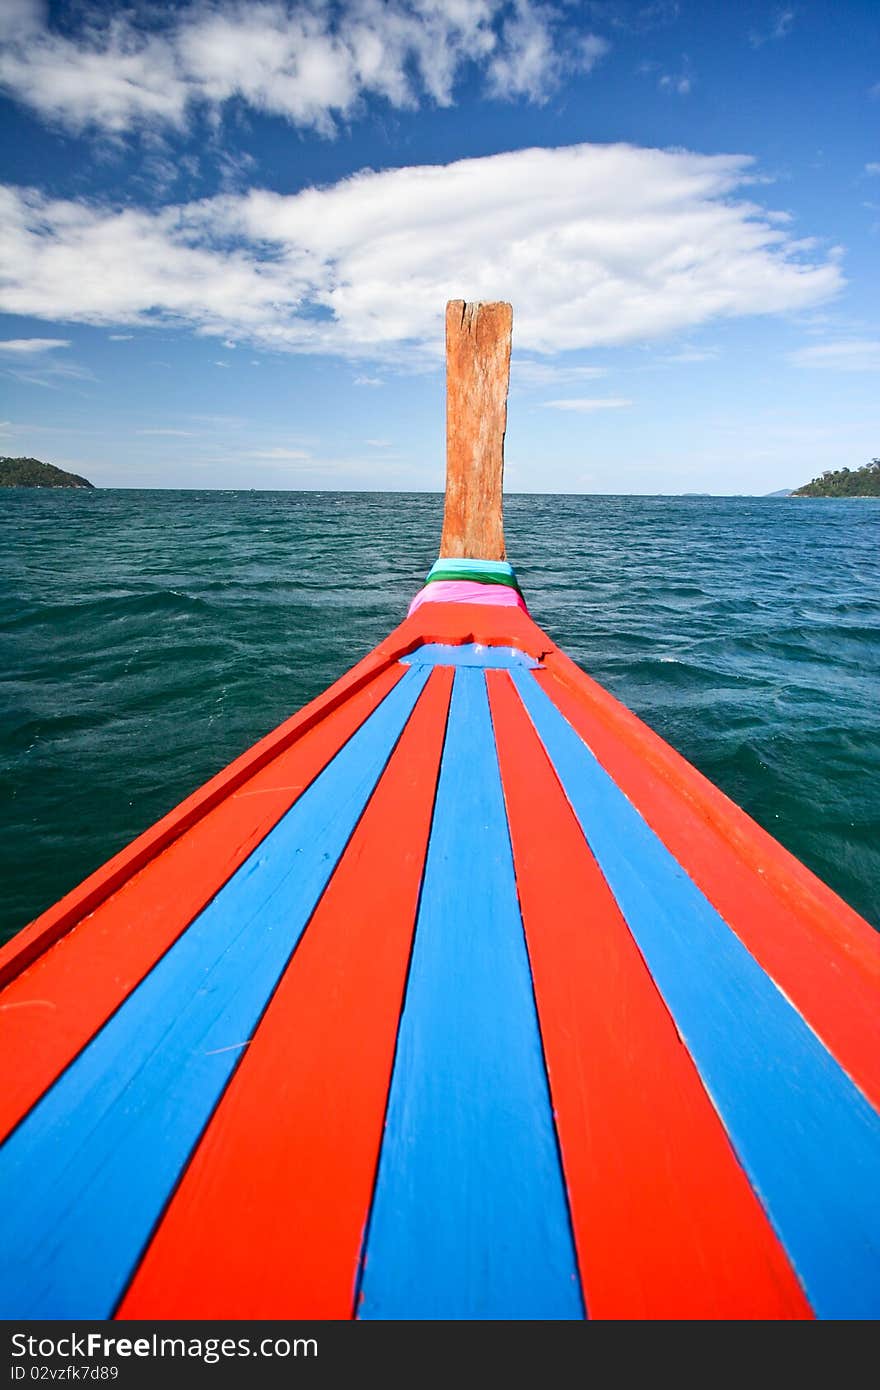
51,1010
666,1224
457,623
269,1217
821,954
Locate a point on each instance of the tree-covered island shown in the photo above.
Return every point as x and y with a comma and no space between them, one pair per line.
33,473
845,482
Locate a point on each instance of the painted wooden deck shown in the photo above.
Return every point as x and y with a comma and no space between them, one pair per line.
460,996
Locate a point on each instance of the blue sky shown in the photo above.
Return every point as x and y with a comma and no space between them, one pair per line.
229,230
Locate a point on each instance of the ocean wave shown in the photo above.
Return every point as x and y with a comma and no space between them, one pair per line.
150,637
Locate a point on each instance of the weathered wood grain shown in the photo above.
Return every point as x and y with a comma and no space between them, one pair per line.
478,338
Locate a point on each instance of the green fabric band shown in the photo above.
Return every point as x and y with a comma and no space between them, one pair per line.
474,576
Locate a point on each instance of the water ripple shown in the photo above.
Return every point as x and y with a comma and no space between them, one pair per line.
147,638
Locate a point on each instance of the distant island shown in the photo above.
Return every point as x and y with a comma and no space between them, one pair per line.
845,482
33,473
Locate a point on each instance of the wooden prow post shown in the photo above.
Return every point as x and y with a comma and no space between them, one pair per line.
477,376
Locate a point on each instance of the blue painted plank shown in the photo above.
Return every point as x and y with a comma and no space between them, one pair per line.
86,1175
470,654
469,1217
806,1136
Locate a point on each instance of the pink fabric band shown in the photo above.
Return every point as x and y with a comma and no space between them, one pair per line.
468,591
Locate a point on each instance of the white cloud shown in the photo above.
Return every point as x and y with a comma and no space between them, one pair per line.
120,337
529,59
110,76
780,28
25,347
848,355
595,244
681,85
585,404
181,434
593,49
19,18
872,168
306,61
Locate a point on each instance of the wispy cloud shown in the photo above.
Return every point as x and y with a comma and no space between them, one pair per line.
780,27
279,455
634,19
27,347
120,337
221,422
687,355
530,61
872,168
181,434
590,50
308,61
681,84
847,355
50,378
33,362
606,244
585,404
527,372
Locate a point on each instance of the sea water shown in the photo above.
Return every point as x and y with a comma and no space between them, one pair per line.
146,638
